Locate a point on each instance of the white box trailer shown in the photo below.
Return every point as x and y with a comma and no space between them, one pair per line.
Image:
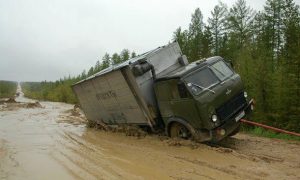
124,93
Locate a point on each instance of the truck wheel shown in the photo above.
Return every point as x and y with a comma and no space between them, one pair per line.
178,130
235,131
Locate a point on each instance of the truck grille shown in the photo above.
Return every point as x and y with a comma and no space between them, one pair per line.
231,107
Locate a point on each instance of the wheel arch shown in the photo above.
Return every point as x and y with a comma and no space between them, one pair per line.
173,120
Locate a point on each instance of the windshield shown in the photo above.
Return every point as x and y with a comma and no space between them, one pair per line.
201,80
221,70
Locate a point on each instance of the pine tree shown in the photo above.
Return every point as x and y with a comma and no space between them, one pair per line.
240,21
106,61
195,35
179,36
183,40
91,71
97,67
83,76
217,26
133,54
125,54
207,42
115,58
274,17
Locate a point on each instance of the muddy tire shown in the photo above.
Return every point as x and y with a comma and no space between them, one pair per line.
237,130
178,130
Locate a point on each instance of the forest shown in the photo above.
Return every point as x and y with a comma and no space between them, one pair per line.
264,47
7,89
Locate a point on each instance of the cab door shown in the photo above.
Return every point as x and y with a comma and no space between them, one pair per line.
174,100
184,105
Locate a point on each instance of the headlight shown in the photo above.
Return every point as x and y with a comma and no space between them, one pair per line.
245,94
214,118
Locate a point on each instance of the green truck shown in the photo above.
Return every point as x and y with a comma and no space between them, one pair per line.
159,89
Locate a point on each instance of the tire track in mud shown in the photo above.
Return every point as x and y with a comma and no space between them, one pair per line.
91,158
279,155
67,153
244,155
7,156
77,141
231,170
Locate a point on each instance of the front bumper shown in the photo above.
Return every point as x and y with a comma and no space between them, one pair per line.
231,124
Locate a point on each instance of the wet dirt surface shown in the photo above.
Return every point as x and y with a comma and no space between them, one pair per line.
52,142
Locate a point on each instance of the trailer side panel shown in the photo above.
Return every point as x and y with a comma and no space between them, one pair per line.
109,99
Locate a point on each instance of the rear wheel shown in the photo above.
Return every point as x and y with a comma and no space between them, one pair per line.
178,130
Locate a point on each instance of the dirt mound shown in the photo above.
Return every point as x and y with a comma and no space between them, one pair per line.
8,100
34,105
2,101
72,116
11,105
77,106
128,130
76,110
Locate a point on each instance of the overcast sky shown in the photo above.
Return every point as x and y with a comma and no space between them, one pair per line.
49,39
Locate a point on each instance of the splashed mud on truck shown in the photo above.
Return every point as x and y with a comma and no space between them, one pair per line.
159,89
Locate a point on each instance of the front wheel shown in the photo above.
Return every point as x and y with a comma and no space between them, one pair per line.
178,130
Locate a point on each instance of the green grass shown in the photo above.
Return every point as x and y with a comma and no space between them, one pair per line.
7,89
268,133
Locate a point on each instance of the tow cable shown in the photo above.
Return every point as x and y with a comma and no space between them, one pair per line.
269,127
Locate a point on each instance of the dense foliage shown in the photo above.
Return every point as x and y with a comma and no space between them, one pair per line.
264,48
53,91
61,90
7,89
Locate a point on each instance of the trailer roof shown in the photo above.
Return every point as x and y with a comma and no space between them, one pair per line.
125,63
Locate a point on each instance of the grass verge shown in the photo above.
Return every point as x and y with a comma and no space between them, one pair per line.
268,133
7,89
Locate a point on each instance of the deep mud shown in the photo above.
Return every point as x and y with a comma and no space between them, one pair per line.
53,142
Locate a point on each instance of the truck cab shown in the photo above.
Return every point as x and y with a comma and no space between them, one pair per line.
204,100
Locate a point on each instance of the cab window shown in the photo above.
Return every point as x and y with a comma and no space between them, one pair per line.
171,90
201,80
221,70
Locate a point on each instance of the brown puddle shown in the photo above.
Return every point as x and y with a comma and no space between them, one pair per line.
53,142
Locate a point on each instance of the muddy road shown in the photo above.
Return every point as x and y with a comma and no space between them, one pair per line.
52,142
